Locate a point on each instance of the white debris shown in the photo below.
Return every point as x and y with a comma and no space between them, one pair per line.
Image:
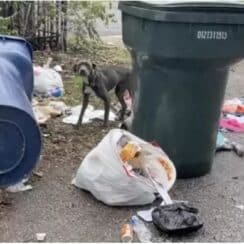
58,68
89,115
241,207
48,81
146,215
19,187
49,109
41,236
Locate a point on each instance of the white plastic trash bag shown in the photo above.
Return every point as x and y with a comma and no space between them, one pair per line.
47,81
102,173
89,115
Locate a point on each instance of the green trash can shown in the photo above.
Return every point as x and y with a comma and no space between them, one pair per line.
181,56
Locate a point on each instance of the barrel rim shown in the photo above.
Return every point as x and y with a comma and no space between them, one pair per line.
20,39
162,14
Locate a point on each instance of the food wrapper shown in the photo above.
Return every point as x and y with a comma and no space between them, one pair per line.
129,151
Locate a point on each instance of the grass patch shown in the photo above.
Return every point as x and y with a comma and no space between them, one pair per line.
78,81
101,53
73,91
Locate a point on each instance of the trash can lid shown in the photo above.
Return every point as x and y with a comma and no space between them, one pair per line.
194,3
188,11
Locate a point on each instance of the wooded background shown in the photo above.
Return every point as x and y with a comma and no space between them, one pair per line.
45,24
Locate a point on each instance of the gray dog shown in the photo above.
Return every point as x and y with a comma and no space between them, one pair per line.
102,80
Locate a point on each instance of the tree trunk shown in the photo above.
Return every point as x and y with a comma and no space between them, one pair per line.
64,25
38,19
57,24
32,20
44,44
27,24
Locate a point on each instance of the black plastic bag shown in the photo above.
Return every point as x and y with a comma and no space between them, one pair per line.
177,218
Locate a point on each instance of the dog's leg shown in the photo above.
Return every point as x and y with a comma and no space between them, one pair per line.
107,110
83,109
106,101
120,95
102,93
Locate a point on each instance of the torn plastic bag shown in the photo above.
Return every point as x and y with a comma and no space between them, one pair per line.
223,144
177,218
19,187
174,217
102,173
90,115
47,82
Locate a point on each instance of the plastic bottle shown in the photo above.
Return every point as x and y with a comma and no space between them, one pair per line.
143,233
126,233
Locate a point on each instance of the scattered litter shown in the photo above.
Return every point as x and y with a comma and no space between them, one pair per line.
124,183
126,233
241,207
238,149
41,236
231,125
38,173
46,110
239,119
177,218
144,235
48,81
234,106
223,144
58,68
233,115
34,102
146,215
174,217
59,106
89,115
19,187
125,170
25,180
75,112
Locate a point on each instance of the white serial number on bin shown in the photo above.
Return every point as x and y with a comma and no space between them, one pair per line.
212,35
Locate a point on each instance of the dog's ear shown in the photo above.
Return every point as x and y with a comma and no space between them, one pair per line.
94,66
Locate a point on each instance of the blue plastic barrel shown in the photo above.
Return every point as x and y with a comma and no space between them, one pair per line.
20,138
